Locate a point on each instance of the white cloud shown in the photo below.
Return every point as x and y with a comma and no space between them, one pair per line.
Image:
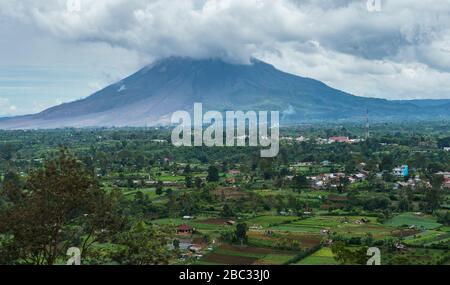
401,52
6,107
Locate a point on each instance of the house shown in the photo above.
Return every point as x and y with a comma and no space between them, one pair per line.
195,248
185,230
231,180
188,218
446,176
321,141
286,139
362,221
354,141
301,139
319,184
360,176
234,172
256,228
447,183
230,223
446,148
401,171
159,141
338,140
324,232
290,177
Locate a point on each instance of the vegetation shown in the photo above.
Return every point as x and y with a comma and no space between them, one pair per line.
127,196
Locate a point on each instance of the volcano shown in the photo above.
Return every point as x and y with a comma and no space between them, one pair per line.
150,96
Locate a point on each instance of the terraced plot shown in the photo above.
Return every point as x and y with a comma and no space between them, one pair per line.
410,219
322,257
247,255
342,225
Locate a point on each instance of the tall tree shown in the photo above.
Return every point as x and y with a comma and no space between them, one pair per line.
434,196
63,207
213,174
144,245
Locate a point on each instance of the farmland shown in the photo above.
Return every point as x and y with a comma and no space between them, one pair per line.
315,204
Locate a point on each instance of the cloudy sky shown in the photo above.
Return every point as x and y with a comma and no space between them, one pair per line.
51,52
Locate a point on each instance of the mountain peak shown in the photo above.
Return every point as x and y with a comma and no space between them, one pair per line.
178,62
151,95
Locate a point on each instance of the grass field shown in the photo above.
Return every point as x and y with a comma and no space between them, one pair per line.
429,238
322,257
259,239
247,255
409,219
206,226
418,256
266,221
339,224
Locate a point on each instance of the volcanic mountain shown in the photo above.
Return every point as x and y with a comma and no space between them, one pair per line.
150,96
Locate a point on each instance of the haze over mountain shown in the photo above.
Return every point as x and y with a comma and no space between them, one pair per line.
150,96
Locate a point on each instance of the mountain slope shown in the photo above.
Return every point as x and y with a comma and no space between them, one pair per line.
151,95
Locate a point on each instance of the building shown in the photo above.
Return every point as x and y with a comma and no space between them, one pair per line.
234,172
447,183
446,176
339,140
447,148
184,230
301,139
402,171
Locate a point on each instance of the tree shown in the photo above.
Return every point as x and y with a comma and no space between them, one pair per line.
63,207
387,163
300,181
187,170
241,232
404,205
159,188
213,174
444,142
12,188
434,196
7,150
266,167
176,244
227,212
198,182
144,245
188,181
345,255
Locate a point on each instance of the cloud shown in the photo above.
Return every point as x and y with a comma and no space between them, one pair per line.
6,107
381,54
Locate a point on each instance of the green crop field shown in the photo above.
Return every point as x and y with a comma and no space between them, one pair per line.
322,257
410,219
266,221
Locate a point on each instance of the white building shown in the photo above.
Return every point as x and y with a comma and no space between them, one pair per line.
402,171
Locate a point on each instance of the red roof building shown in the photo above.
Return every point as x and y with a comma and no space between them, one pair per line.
339,139
184,230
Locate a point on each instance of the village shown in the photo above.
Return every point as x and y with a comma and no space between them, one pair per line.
323,195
